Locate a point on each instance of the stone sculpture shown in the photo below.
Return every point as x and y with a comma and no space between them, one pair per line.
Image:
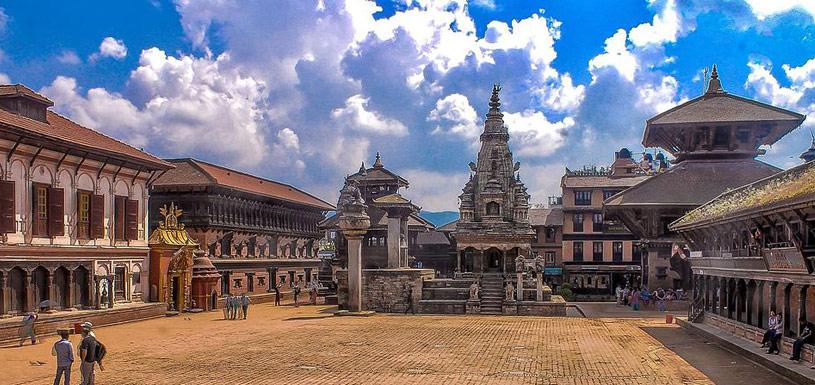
510,292
474,291
519,264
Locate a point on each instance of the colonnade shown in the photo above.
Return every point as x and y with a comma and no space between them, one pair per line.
750,300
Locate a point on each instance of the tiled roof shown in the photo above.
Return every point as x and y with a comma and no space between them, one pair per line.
575,181
788,187
19,89
692,183
193,172
721,107
79,138
546,216
449,227
432,238
379,220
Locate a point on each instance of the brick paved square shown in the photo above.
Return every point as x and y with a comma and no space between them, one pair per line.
307,345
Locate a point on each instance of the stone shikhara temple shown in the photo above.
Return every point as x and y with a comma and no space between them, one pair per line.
493,228
495,274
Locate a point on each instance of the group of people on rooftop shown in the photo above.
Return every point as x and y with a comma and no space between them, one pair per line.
639,298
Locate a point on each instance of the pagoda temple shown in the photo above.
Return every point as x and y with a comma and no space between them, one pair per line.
715,139
493,229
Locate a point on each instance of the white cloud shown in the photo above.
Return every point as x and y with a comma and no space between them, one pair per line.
663,29
189,105
112,48
434,190
616,56
4,79
3,20
765,8
289,139
68,57
534,135
660,97
356,116
454,115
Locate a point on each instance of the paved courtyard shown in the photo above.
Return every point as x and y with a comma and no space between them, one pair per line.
307,345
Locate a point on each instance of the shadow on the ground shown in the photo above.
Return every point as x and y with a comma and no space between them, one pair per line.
306,318
722,366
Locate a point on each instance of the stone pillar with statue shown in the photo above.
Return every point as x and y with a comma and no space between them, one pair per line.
354,223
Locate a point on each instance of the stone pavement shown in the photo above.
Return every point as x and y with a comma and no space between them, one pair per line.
287,345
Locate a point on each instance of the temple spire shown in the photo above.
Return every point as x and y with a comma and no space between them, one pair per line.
378,161
362,169
715,85
495,102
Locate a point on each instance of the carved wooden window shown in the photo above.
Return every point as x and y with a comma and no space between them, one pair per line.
8,220
119,218
582,198
597,251
83,222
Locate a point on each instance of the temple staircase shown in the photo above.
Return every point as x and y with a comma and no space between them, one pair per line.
492,293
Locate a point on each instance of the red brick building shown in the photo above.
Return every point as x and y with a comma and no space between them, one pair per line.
256,232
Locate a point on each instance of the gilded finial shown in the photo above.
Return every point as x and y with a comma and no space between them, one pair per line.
378,161
715,85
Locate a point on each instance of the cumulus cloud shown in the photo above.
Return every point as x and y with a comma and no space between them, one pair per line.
68,57
534,135
616,56
289,139
664,28
3,20
763,8
110,47
434,190
454,115
356,116
186,105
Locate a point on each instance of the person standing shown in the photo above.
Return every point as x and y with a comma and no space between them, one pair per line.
89,354
245,305
277,294
619,292
409,298
27,328
296,290
635,299
226,307
660,298
806,336
64,351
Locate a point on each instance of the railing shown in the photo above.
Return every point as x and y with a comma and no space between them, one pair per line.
696,309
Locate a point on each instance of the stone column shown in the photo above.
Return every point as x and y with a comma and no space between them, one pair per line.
28,292
70,297
129,285
354,239
723,297
787,308
539,291
748,299
5,301
773,295
394,256
404,249
91,282
111,294
802,305
98,292
760,321
50,289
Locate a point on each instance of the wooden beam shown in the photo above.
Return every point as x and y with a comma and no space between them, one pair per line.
14,148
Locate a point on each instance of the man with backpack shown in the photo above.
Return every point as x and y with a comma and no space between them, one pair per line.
91,352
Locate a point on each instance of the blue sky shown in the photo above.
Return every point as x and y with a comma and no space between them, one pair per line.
304,91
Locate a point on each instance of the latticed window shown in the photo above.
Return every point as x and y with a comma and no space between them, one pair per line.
84,220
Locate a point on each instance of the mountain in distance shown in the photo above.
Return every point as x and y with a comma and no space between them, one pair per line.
439,218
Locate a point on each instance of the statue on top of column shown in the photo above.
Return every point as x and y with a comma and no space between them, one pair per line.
351,207
540,264
519,264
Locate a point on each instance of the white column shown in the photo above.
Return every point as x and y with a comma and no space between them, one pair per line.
354,270
394,259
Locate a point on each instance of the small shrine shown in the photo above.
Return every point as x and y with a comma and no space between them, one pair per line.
171,261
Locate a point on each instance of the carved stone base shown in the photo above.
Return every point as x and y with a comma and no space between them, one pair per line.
509,308
473,307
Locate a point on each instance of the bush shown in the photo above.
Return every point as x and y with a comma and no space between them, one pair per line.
565,291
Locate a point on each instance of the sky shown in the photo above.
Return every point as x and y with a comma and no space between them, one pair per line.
305,91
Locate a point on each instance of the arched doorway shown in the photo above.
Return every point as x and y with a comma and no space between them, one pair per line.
61,288
18,293
493,258
82,296
39,280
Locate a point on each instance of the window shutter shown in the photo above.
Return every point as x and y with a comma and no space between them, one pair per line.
56,212
35,220
8,222
132,220
97,216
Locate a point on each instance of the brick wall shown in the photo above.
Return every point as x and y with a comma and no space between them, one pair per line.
383,290
48,324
